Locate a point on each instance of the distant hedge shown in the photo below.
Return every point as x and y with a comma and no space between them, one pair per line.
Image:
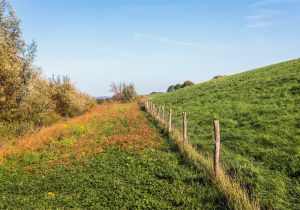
173,88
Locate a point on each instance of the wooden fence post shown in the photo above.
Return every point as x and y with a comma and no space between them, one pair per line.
147,106
217,147
153,108
158,110
170,121
184,125
163,115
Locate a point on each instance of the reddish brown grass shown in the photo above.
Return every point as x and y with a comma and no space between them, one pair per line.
135,137
34,142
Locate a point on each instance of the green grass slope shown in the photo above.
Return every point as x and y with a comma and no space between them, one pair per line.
259,112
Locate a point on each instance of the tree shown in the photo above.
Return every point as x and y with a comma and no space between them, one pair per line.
218,76
177,87
16,60
123,92
117,90
171,88
129,92
187,83
26,97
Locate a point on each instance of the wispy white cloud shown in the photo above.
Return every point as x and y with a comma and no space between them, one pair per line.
266,2
260,24
262,15
166,40
262,18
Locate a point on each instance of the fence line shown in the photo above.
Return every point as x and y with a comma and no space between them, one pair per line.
236,195
158,112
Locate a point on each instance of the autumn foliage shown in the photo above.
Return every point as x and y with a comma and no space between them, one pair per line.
27,98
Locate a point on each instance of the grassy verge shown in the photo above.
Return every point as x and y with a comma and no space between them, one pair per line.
109,158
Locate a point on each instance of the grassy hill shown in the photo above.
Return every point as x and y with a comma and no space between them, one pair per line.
259,112
108,158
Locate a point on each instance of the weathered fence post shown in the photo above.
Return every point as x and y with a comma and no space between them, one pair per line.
157,113
153,108
184,125
170,121
163,115
217,147
147,106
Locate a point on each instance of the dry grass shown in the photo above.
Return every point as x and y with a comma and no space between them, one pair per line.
130,130
139,136
34,142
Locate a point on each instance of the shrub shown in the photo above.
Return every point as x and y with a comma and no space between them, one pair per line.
123,92
37,105
129,93
68,101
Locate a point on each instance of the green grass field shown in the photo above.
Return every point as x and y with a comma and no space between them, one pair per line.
109,158
259,112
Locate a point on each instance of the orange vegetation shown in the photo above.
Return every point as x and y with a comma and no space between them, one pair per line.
35,141
126,126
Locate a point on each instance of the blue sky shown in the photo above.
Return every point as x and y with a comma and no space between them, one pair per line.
155,43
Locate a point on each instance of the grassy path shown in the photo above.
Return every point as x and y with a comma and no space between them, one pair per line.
109,158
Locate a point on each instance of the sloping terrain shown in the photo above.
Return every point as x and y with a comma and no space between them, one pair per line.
259,112
108,158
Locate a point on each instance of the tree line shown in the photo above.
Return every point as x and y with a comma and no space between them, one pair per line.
173,88
26,96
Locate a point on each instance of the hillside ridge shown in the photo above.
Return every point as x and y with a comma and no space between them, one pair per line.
260,131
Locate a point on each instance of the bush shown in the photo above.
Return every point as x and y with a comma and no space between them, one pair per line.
67,100
123,92
129,93
37,105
